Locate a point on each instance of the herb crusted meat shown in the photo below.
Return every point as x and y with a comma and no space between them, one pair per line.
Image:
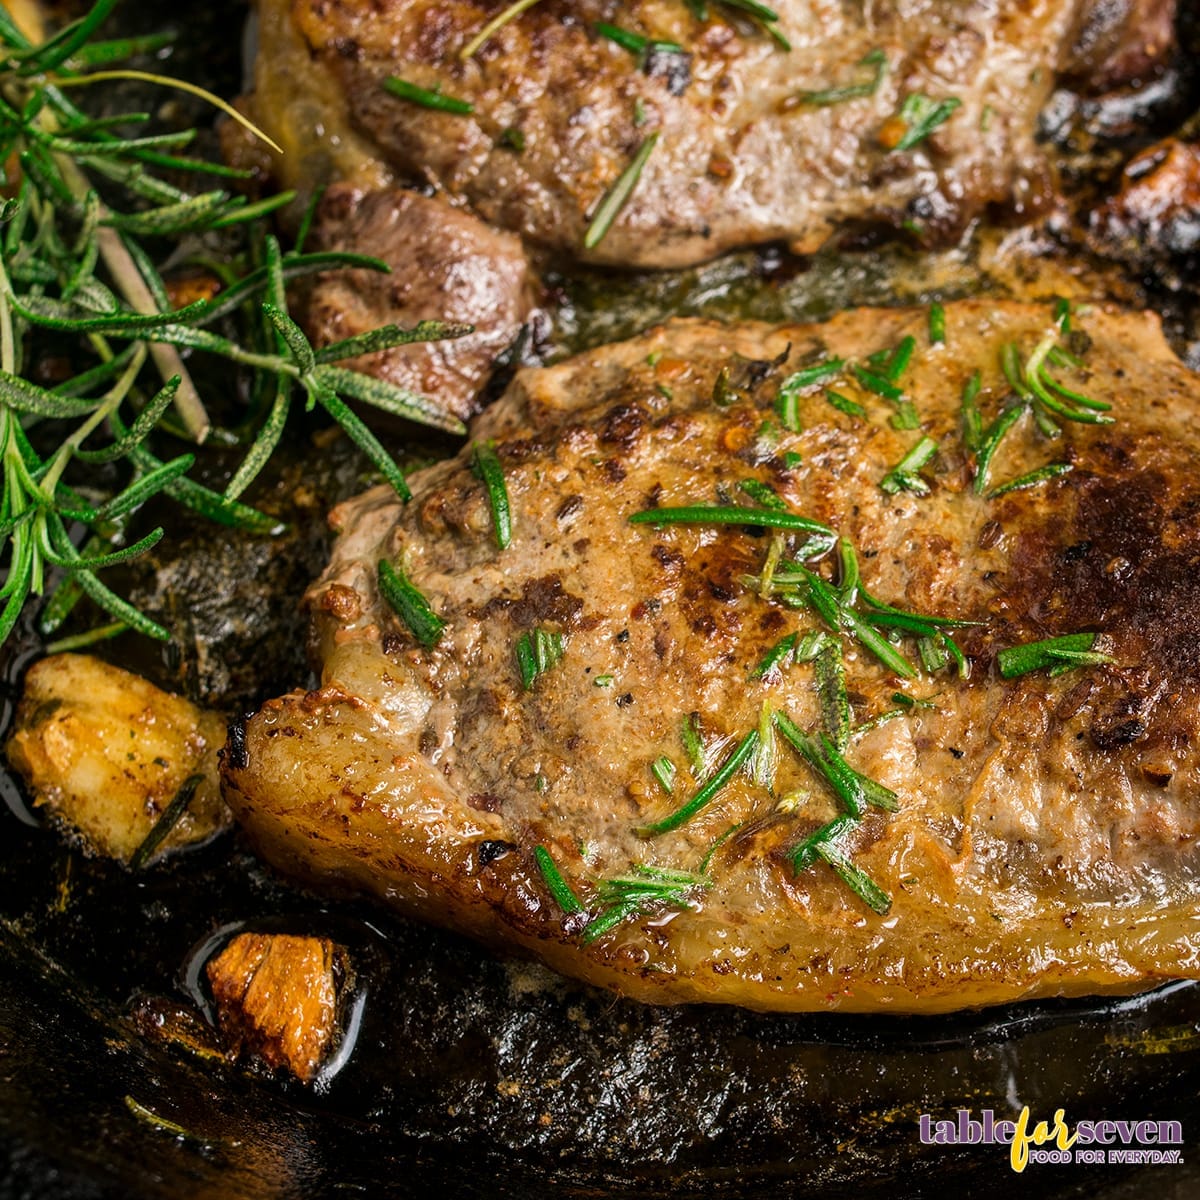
614,754
838,113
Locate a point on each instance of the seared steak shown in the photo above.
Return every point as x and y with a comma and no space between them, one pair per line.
1044,834
446,265
756,142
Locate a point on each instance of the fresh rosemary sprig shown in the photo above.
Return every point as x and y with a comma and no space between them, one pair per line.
82,269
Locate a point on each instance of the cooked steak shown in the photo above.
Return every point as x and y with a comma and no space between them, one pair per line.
446,265
876,113
612,701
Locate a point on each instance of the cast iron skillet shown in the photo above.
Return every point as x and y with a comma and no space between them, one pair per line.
460,1072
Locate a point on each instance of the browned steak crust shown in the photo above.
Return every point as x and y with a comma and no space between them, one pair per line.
445,265
745,156
1045,837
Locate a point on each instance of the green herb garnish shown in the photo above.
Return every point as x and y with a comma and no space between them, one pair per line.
937,323
904,477
497,23
487,466
922,116
989,443
972,419
693,745
824,844
728,514
636,43
538,652
777,656
729,768
403,90
1031,479
663,769
75,264
617,195
876,60
832,694
851,408
1057,654
559,888
171,816
409,605
644,889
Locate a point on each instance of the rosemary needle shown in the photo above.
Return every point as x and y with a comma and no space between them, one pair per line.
728,770
487,465
617,196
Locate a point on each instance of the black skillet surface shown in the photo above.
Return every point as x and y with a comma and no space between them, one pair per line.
462,1073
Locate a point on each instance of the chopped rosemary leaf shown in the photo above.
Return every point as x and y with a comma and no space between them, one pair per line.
617,196
494,26
403,90
487,467
1058,654
851,787
409,605
791,460
763,494
1031,479
787,405
559,888
729,768
903,477
766,18
922,116
643,889
776,657
635,43
537,651
1062,314
905,418
937,323
972,419
787,402
990,442
693,744
831,692
876,59
706,861
764,759
851,408
512,138
663,769
897,361
161,829
877,383
603,681
810,646
728,514
817,373
857,880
